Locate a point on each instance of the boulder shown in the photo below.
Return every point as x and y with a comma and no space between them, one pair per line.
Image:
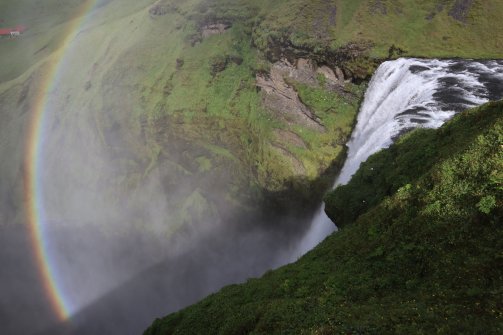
328,73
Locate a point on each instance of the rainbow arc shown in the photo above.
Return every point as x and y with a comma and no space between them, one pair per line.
33,167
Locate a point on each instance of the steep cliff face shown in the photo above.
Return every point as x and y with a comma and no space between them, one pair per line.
422,259
266,90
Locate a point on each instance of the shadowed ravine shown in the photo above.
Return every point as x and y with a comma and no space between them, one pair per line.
212,261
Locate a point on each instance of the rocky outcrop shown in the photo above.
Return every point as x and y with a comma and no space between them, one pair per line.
352,59
328,73
214,29
282,99
304,71
334,78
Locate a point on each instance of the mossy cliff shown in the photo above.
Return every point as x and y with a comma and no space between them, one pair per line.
264,95
253,99
423,258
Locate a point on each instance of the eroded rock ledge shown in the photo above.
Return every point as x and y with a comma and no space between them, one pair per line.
281,98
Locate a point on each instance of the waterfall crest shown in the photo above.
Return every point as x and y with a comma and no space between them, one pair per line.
405,94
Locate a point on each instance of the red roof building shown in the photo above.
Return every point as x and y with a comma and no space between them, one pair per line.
12,31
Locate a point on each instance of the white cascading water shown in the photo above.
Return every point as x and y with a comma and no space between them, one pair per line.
405,94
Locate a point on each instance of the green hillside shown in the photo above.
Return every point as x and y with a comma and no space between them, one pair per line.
424,258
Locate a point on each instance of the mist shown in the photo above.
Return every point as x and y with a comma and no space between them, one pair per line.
131,231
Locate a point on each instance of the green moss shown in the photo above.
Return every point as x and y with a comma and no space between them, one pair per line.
337,112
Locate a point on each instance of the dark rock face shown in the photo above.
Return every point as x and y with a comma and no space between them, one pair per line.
351,58
460,9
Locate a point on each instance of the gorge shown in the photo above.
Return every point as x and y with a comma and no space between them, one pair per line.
403,94
157,151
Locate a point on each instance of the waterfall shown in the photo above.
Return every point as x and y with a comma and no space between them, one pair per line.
405,94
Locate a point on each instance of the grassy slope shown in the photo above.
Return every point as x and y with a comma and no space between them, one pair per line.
425,259
47,25
442,36
400,22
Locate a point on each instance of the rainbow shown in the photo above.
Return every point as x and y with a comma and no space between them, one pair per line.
33,164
